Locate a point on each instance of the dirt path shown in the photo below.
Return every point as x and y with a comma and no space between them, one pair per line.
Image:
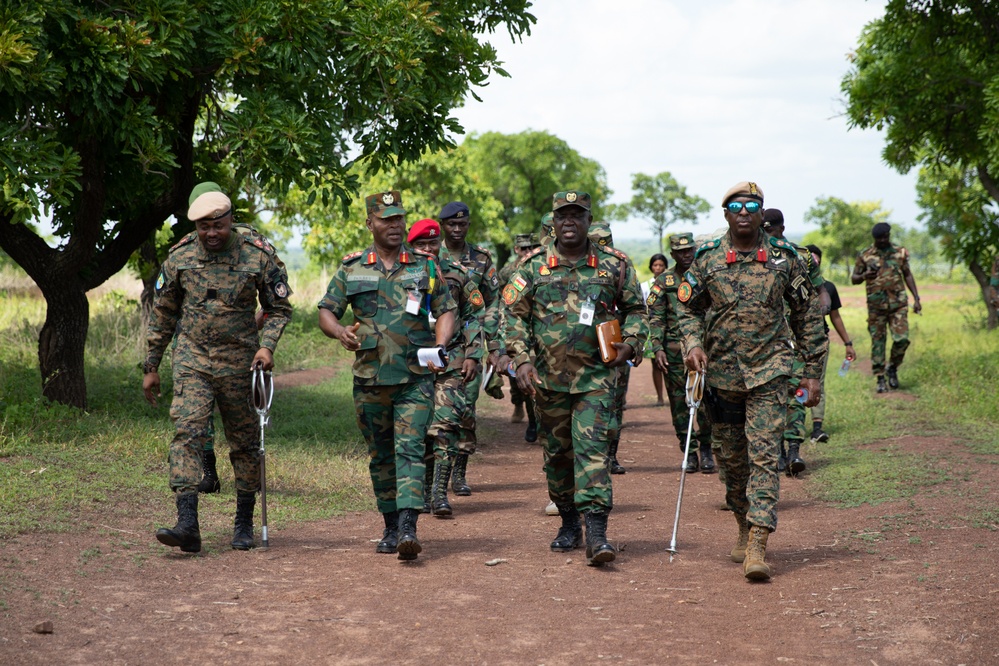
901,583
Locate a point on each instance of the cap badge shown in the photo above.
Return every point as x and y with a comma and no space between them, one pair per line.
683,241
753,189
460,213
388,199
570,197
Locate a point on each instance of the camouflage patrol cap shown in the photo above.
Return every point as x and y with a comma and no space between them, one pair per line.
384,204
524,240
600,233
744,189
547,228
570,198
684,241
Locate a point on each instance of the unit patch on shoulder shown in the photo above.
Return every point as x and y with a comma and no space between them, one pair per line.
493,279
281,290
509,294
684,291
476,298
160,281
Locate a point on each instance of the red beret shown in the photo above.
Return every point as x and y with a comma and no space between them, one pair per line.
424,229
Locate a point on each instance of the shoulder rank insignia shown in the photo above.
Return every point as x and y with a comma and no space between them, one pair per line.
351,256
707,245
780,242
533,253
483,250
669,280
185,240
684,291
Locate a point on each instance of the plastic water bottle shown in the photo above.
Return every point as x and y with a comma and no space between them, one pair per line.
843,369
801,395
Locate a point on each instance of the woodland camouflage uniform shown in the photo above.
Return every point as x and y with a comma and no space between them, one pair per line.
887,303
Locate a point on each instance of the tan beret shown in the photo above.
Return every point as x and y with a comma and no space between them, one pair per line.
744,189
210,205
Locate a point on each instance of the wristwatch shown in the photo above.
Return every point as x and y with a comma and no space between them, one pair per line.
444,355
148,367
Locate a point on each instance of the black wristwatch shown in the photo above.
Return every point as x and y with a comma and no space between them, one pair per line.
444,354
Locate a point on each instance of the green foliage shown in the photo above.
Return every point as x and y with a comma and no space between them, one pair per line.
664,201
844,228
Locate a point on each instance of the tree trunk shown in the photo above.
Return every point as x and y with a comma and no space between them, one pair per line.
61,344
983,283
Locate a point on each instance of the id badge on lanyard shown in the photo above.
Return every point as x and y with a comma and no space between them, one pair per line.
586,312
413,303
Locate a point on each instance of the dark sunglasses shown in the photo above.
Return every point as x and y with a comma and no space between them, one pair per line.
735,207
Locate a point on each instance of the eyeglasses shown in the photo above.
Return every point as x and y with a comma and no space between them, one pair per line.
751,207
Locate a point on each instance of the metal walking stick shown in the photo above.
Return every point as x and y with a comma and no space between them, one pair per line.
263,394
695,391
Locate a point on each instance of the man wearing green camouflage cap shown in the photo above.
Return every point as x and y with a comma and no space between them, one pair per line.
391,289
732,318
555,300
665,339
206,297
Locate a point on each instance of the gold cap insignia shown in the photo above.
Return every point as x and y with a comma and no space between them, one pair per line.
753,190
388,199
682,241
570,197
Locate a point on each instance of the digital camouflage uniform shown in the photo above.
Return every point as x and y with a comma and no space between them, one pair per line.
574,399
664,334
887,303
479,264
794,433
732,306
208,299
393,393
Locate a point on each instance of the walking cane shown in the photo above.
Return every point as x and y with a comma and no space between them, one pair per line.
263,394
695,391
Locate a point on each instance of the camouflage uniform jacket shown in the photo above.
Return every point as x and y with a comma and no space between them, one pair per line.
208,299
543,302
466,343
479,263
664,326
887,290
497,316
732,304
389,336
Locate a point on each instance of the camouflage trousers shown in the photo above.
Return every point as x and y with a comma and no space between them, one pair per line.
576,427
393,421
794,431
517,397
449,414
676,389
878,323
747,452
467,440
195,396
618,397
819,410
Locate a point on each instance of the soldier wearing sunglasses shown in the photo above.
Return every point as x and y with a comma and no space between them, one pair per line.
734,329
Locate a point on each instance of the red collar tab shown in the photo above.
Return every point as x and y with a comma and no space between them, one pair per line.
552,261
404,257
591,261
371,258
761,254
730,257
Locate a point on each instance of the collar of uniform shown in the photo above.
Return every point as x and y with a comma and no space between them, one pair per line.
458,257
761,243
230,255
554,258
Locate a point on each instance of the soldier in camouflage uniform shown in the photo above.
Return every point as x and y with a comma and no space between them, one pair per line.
665,341
790,460
885,268
731,314
455,221
554,301
206,295
522,246
391,291
464,354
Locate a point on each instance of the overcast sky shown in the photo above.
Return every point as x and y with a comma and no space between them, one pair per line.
715,92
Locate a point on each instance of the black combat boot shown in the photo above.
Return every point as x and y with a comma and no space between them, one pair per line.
795,463
707,459
892,372
598,551
570,535
210,481
692,462
186,534
615,466
409,546
458,483
531,434
390,537
882,387
428,484
442,474
242,536
818,434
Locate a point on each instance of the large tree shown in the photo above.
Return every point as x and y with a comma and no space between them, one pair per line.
110,112
664,201
844,228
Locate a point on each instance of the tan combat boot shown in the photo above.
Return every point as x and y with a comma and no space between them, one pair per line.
756,550
739,552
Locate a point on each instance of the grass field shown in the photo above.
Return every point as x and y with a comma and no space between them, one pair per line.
61,466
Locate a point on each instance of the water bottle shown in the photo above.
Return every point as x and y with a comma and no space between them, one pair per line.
844,368
801,395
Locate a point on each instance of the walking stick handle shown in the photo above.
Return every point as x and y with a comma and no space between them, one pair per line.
695,388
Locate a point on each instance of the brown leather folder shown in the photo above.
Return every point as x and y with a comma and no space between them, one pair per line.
608,333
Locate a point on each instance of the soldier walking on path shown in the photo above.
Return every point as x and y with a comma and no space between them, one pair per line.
390,290
554,302
464,355
885,269
665,341
731,314
206,295
455,220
